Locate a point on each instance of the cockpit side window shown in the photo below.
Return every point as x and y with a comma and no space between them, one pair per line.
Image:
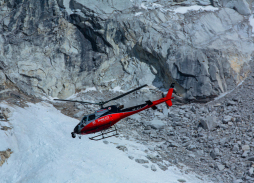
91,117
84,119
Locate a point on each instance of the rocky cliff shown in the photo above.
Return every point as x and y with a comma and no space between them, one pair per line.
59,47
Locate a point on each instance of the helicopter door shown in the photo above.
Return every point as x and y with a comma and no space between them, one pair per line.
91,117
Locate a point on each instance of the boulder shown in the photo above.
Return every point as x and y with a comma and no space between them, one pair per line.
156,124
209,122
215,153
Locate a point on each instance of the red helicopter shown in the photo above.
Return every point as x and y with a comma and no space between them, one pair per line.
106,117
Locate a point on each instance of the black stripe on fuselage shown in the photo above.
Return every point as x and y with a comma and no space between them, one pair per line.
134,108
129,109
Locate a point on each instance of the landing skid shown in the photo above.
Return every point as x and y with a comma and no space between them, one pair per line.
101,136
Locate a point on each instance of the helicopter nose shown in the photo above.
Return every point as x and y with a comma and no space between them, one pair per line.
76,130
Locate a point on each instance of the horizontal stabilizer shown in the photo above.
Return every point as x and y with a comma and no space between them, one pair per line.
149,102
154,108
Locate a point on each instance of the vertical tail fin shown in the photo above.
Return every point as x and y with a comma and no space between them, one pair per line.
169,95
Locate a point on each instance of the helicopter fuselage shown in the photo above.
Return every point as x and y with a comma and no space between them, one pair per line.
106,117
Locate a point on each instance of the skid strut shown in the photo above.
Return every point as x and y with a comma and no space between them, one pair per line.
101,136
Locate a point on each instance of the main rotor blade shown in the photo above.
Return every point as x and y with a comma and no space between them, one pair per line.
76,101
120,96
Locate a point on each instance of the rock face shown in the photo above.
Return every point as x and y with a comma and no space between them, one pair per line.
58,47
241,6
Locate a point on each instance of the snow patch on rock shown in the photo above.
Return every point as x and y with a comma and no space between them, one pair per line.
184,10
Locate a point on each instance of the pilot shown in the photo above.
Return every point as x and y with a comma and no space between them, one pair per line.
121,107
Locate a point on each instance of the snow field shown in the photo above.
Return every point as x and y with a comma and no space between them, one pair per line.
43,151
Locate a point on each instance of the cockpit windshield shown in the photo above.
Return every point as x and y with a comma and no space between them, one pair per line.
91,117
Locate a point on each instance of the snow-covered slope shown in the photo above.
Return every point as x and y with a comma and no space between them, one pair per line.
43,151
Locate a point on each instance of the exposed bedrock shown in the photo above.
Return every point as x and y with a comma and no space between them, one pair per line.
58,47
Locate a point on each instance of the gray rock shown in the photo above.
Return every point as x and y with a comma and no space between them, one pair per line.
172,144
156,124
251,171
251,158
245,147
235,148
238,118
245,154
223,126
181,180
2,77
105,142
79,106
131,157
78,114
153,168
215,153
238,181
231,103
171,115
191,147
176,119
230,123
192,155
141,161
220,167
122,148
227,119
162,167
209,122
193,109
146,166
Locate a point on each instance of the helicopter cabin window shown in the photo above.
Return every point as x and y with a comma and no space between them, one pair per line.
84,119
91,117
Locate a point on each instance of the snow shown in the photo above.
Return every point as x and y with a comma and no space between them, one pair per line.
251,20
138,13
184,10
43,151
118,88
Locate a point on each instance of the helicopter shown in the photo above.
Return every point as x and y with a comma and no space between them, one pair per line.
105,118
